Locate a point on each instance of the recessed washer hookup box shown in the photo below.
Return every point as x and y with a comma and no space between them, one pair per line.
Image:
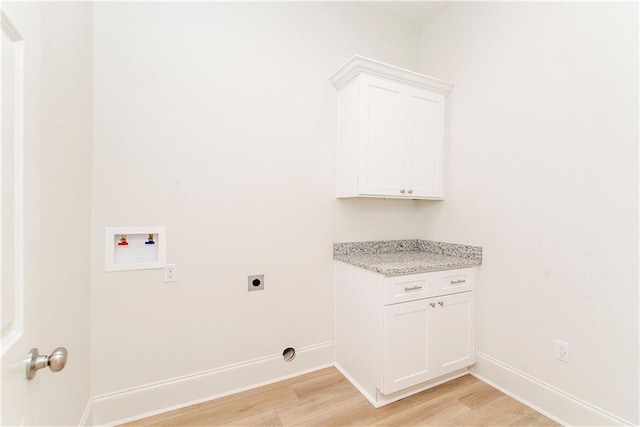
134,248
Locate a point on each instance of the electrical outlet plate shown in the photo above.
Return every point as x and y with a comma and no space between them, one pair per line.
255,282
170,272
562,351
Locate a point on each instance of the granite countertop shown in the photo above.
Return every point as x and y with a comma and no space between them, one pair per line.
397,257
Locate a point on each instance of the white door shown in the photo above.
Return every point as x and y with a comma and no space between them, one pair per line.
19,224
425,143
408,345
382,133
455,332
19,323
44,83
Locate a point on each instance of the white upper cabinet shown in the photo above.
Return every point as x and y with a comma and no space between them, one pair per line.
391,131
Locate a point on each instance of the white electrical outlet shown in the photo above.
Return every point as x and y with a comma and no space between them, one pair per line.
170,272
562,351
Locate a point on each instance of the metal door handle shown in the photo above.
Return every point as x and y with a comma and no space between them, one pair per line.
440,303
432,304
55,361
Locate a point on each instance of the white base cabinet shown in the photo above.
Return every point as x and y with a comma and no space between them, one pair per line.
398,335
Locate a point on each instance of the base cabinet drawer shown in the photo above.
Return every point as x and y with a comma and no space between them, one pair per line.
453,281
408,288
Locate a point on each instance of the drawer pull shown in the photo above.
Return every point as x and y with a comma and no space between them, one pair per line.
440,303
455,282
413,288
432,304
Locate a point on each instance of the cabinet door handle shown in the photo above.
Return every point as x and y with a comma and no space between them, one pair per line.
440,303
410,191
432,304
455,282
413,288
402,191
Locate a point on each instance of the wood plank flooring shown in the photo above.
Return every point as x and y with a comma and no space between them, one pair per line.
326,398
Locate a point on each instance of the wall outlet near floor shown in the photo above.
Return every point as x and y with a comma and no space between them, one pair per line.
170,272
562,351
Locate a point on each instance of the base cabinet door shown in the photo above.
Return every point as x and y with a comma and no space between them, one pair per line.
427,338
408,341
455,332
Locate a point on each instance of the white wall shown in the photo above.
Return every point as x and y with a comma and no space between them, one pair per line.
543,174
57,40
218,121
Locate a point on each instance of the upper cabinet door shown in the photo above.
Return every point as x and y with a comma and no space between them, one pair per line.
382,130
424,153
390,132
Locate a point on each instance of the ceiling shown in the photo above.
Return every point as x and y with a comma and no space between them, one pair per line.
416,12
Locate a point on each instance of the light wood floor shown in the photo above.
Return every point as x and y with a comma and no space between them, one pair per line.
326,398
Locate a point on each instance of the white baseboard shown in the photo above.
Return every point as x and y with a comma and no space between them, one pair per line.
354,383
381,400
550,401
385,399
85,420
152,399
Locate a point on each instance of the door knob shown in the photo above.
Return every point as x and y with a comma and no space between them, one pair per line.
55,361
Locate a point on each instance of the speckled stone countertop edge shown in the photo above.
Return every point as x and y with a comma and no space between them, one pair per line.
400,257
400,269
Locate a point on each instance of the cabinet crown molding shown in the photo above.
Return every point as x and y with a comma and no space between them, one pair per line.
359,64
